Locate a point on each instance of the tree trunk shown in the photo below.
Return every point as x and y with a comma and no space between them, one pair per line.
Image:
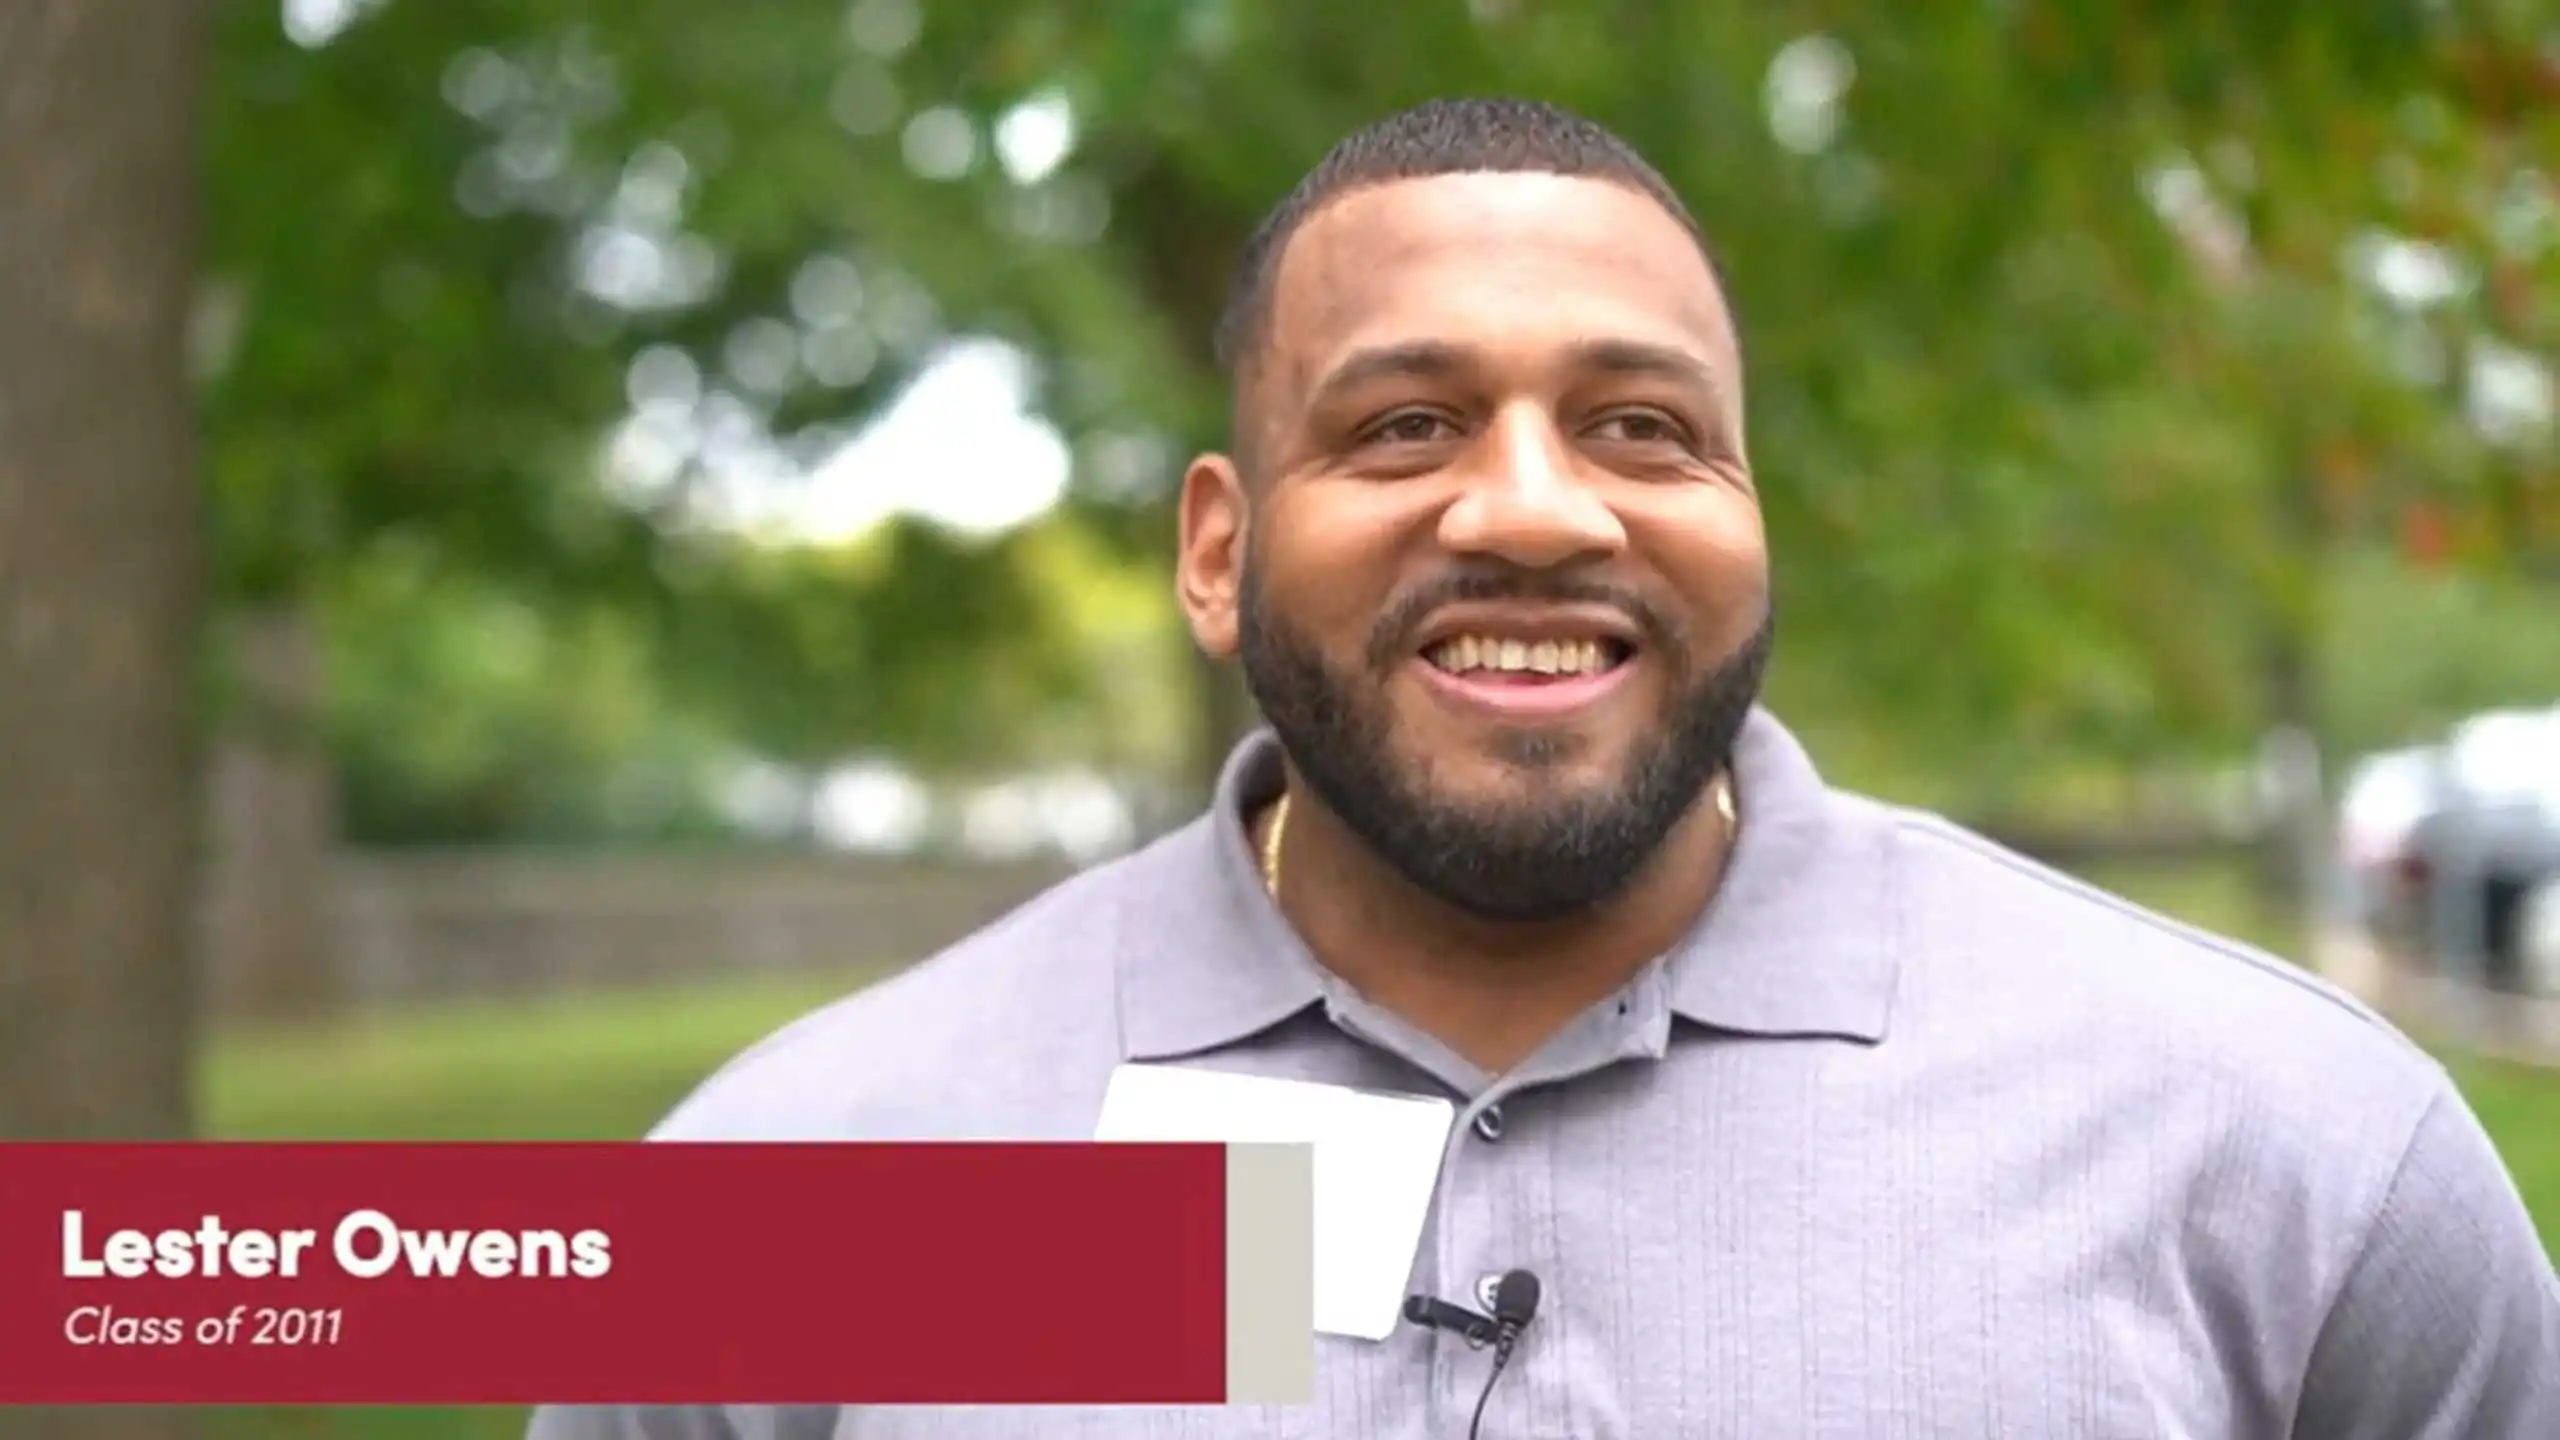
2294,871
99,581
2295,853
267,951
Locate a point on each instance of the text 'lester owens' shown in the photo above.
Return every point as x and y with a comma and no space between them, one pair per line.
367,1245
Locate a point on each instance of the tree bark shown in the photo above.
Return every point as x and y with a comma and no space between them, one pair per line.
99,567
99,583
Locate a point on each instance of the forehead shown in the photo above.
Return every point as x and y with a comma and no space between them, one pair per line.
1504,263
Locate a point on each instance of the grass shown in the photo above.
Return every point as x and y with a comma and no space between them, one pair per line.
585,1067
608,1066
591,1067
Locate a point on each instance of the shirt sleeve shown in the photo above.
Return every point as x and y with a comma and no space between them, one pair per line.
2448,1324
602,1422
680,1422
710,1113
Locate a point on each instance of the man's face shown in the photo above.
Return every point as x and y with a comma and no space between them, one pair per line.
1500,584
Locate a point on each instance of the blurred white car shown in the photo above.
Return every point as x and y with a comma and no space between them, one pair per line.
2381,800
2539,939
2452,852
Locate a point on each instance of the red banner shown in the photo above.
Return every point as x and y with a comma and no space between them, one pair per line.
462,1274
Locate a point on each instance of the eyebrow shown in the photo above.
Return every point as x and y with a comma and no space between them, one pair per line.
1436,359
1412,360
1639,357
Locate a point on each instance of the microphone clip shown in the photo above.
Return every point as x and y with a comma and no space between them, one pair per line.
1515,1304
1432,1312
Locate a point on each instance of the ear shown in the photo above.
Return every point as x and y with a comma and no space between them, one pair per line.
1209,558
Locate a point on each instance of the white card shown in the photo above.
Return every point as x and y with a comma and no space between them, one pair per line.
1377,1160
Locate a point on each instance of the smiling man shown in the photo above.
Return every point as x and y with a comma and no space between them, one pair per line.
1813,1117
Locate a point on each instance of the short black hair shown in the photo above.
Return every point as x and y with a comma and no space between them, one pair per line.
1437,137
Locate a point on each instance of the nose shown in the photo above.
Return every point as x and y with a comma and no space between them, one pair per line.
1526,504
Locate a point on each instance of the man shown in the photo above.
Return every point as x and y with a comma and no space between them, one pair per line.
1814,1117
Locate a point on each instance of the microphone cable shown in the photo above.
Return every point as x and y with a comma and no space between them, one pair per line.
1501,1358
1515,1304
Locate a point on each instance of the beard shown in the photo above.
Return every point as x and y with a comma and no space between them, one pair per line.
1544,852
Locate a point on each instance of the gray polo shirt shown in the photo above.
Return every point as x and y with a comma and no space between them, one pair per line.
1911,1138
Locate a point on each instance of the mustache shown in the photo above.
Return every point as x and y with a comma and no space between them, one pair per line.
1390,640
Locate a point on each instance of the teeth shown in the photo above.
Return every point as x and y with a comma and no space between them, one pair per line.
1541,657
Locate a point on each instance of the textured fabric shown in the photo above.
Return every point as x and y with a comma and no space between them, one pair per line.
1911,1138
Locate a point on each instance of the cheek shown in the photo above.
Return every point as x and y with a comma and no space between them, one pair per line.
1712,552
1329,564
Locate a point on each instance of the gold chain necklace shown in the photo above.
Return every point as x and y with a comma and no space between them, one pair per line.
1280,826
1271,846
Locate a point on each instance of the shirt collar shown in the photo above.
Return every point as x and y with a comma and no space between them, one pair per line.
1212,961
1800,938
1797,942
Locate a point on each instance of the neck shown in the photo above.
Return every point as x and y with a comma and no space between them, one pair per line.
1492,991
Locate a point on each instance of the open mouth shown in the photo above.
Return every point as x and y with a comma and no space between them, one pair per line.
1526,671
1514,660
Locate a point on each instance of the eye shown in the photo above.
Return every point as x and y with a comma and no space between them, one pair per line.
1410,427
1641,427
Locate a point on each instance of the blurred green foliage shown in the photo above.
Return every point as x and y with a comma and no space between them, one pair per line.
457,710
2411,654
2075,404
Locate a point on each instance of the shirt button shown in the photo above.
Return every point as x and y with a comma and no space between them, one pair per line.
1489,1122
1486,1289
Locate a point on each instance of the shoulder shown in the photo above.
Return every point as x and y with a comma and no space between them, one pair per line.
2270,1113
1966,894
996,1036
2162,1003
